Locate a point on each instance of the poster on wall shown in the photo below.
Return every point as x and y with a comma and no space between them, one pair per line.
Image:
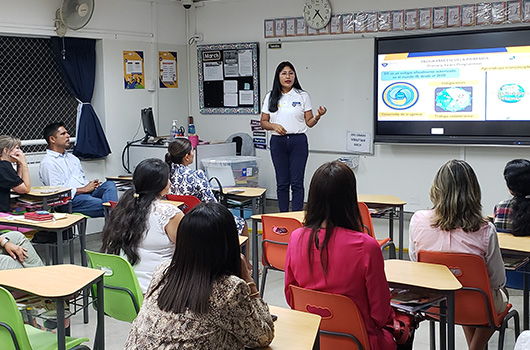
259,135
133,70
168,70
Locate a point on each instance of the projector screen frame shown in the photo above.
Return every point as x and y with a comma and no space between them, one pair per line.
515,133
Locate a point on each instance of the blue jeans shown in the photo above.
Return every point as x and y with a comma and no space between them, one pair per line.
91,204
289,155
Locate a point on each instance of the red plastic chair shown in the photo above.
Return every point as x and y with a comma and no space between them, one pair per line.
369,228
189,201
473,303
276,233
342,325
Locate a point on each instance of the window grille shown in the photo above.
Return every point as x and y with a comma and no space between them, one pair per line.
32,91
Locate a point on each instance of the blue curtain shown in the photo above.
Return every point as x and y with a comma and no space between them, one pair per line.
77,65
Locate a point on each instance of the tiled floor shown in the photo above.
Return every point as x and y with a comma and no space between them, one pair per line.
116,331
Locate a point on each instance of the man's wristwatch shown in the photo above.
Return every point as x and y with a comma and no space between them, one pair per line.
4,242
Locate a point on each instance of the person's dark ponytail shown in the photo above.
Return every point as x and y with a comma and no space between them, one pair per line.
177,150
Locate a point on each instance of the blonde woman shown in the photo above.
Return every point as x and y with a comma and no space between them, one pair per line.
10,179
456,224
15,250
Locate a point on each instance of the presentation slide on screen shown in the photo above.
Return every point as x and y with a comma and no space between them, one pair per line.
459,85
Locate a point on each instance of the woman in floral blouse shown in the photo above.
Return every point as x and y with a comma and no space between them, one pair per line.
205,297
186,181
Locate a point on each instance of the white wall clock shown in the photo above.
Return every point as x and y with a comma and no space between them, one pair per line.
317,13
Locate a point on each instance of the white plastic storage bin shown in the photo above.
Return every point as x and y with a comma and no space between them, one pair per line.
233,170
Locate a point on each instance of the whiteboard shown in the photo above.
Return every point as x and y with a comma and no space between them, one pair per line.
337,74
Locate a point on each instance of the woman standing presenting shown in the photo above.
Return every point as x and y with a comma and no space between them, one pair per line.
287,113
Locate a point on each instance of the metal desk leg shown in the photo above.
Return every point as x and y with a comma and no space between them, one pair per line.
525,301
254,206
443,324
262,203
255,260
82,240
432,336
391,224
81,226
61,333
400,232
451,320
99,343
60,251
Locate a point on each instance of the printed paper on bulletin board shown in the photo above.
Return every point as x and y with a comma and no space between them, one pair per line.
168,69
133,70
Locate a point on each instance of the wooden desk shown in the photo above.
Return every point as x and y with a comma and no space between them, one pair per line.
299,215
256,194
294,330
122,182
126,178
432,277
59,227
46,193
519,246
59,282
388,201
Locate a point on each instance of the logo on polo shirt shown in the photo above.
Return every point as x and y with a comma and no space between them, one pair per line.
295,103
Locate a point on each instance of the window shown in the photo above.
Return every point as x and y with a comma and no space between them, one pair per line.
32,91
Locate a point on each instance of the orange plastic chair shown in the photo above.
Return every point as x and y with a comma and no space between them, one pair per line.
473,303
276,233
369,228
189,201
342,325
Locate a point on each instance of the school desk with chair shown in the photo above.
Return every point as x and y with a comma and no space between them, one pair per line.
67,281
514,245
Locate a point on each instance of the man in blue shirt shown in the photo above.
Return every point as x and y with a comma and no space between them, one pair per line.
61,168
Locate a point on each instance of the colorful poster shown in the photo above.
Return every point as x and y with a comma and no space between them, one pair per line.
133,70
168,70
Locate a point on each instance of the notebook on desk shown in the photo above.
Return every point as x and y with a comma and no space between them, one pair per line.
513,262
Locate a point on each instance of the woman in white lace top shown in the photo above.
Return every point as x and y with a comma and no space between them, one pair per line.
141,228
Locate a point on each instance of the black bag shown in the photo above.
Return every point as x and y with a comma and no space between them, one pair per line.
219,195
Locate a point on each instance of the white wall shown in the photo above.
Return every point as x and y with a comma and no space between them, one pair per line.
118,25
404,171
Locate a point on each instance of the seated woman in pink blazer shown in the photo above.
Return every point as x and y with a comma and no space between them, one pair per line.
332,253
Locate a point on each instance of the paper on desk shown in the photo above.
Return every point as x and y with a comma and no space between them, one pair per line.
46,189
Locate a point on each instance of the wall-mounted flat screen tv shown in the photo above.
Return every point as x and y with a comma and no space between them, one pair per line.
469,87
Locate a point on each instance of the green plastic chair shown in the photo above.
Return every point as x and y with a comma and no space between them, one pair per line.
15,335
122,293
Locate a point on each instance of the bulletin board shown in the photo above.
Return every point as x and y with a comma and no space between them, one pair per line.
228,78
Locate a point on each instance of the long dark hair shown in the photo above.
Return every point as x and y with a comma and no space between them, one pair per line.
127,224
517,176
207,249
177,150
276,92
455,193
332,201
